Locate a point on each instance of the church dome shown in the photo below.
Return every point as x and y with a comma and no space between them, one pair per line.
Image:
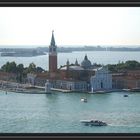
86,63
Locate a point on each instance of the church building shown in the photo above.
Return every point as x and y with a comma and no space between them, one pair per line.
82,77
75,76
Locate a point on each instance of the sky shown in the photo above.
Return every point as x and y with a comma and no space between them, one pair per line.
71,25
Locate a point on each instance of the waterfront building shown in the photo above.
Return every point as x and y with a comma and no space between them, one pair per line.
126,80
71,85
38,79
96,78
6,76
72,76
102,80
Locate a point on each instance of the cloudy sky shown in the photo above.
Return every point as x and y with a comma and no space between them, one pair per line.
71,25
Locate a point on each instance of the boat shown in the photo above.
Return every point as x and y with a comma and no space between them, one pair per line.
126,89
93,122
135,89
83,100
125,95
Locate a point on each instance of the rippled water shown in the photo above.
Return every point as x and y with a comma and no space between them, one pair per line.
62,112
100,57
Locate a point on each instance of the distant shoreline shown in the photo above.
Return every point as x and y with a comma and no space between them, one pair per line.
9,54
40,50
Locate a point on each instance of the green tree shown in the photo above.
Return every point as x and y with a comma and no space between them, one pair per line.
132,64
121,67
9,67
31,68
39,69
20,69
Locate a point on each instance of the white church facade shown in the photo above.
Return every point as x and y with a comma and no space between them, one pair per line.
102,80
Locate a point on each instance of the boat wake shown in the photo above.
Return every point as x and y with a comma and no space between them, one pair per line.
123,125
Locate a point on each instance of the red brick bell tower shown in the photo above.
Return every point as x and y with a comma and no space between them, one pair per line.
52,55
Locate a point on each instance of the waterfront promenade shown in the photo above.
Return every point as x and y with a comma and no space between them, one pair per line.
27,88
20,88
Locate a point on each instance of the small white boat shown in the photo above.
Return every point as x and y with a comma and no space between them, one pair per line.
83,100
93,122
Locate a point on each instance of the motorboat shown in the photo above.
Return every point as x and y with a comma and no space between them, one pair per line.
93,122
83,100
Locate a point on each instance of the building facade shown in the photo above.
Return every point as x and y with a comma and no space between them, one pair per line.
126,80
70,85
102,80
5,76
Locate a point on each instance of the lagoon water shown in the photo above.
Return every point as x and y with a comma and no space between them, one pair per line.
62,112
99,57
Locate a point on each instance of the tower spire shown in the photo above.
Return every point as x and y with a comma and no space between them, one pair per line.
52,55
52,39
76,62
67,63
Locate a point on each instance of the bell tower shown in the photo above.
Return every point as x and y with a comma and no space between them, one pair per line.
52,55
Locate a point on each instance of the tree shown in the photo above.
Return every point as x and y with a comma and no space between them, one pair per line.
20,69
9,67
31,68
121,67
39,69
132,64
